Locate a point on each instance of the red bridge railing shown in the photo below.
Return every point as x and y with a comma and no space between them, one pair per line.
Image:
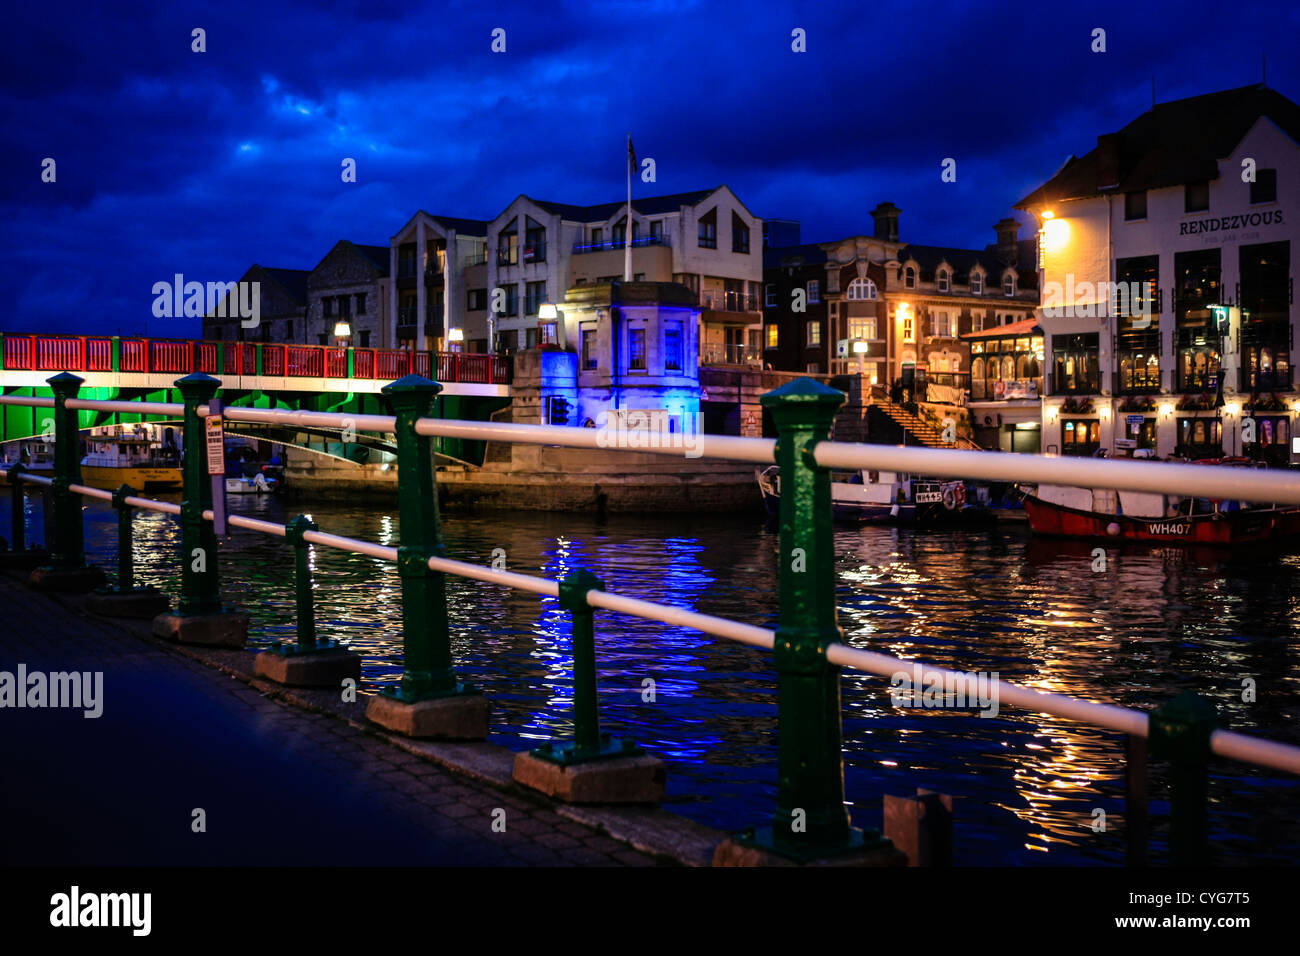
90,353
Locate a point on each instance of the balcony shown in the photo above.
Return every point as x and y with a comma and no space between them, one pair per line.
1076,384
406,269
406,315
1277,379
723,301
476,259
507,256
730,355
582,248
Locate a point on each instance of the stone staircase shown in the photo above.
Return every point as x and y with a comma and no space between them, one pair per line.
918,428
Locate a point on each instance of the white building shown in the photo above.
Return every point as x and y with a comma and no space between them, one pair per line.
438,296
1167,260
707,241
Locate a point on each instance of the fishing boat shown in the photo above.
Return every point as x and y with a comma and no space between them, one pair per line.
133,458
1157,518
883,497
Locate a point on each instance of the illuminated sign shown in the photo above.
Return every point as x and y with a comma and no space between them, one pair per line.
1217,223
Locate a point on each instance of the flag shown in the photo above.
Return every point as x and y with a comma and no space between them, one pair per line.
631,155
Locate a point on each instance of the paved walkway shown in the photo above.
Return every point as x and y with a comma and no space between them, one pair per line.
279,785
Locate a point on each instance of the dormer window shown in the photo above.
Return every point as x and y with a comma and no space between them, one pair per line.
943,280
1009,284
861,290
909,278
976,283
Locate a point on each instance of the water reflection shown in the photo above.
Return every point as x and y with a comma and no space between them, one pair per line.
1154,623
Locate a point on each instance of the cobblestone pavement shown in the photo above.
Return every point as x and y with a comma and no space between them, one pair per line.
278,785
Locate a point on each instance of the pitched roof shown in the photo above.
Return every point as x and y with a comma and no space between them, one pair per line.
646,206
1171,144
964,260
1023,327
466,227
376,254
293,281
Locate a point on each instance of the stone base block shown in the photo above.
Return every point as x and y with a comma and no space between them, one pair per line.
23,560
327,668
139,603
462,717
70,581
734,852
227,629
637,779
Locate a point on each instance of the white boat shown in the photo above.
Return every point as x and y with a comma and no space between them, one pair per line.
885,497
259,484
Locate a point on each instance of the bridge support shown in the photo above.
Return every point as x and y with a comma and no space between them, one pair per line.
18,555
67,570
200,617
1179,731
429,701
126,600
811,824
593,767
310,662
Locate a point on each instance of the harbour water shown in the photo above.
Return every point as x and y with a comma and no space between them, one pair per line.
1155,622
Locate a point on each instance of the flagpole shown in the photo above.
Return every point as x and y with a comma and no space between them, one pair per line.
627,233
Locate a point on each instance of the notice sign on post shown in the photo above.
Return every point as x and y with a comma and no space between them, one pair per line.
216,448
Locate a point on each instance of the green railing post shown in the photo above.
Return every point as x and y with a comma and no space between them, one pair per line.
115,352
305,607
257,359
68,553
17,510
200,582
810,819
125,541
1179,731
588,743
427,671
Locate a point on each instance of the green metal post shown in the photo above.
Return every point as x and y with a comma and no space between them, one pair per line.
17,510
306,608
1179,731
810,818
200,583
257,359
352,363
115,352
69,551
428,671
125,546
588,743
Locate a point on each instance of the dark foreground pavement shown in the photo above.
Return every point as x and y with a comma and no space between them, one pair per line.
278,785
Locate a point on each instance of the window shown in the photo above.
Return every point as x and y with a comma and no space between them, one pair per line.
708,230
861,290
977,323
909,278
512,299
739,235
361,303
345,306
862,327
976,283
673,347
588,334
943,280
636,349
477,300
814,333
1264,188
769,299
942,327
288,331
1135,205
530,338
1075,368
656,230
327,306
1196,196
619,233
597,235
813,368
1199,438
534,292
1138,274
508,247
773,334
1080,436
814,292
1009,284
365,338
909,328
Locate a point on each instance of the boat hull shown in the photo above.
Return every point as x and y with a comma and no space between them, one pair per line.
1240,527
139,478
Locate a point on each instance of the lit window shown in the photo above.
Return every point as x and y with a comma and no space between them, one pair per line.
772,334
909,329
860,290
814,333
862,327
673,347
636,349
941,327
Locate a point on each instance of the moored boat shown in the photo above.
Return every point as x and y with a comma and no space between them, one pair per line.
131,458
884,497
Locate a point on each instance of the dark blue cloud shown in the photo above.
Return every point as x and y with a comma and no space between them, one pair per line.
171,161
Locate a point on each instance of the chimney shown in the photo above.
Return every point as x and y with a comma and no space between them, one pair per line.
886,217
1108,160
1008,231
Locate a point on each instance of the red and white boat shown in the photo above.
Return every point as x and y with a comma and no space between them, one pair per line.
1156,518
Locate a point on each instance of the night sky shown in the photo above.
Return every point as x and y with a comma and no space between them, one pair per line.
203,163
